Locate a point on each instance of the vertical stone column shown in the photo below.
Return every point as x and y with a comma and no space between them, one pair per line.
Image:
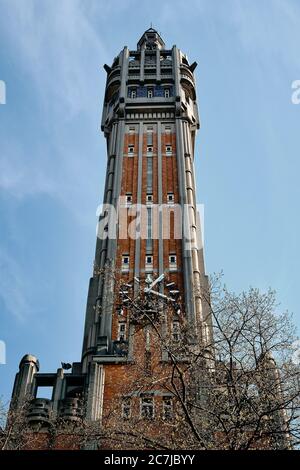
95,392
57,395
23,386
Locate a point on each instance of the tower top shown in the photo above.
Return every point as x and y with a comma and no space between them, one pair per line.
151,40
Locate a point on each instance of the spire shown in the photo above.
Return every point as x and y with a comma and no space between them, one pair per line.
151,40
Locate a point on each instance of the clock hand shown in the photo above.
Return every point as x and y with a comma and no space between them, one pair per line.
160,278
163,296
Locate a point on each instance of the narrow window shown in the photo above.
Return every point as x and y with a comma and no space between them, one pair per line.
176,331
120,310
131,130
168,150
150,136
126,408
170,198
172,262
130,149
128,199
133,94
150,93
149,150
149,199
167,92
125,263
149,263
122,331
147,407
167,408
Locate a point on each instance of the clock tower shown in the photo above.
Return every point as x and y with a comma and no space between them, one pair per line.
149,269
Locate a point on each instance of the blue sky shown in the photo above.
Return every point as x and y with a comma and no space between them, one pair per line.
52,154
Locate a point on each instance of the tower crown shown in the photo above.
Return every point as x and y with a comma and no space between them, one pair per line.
151,40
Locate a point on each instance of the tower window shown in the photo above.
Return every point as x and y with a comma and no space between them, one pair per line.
147,407
122,331
168,150
173,263
167,408
130,149
150,93
149,259
120,310
131,130
167,92
149,149
175,331
128,199
133,94
125,263
149,199
170,198
150,136
149,263
126,408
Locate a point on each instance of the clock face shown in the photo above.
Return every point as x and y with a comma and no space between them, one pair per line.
145,299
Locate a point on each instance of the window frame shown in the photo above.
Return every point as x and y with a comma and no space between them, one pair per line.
130,150
149,149
172,200
175,331
126,404
169,407
128,199
172,264
125,264
149,199
169,150
149,262
122,333
144,415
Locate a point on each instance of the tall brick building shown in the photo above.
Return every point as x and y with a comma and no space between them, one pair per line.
141,270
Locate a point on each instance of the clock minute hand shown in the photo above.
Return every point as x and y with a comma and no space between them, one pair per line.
160,278
163,296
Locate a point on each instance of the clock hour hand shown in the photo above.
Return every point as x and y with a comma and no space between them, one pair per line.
163,296
160,278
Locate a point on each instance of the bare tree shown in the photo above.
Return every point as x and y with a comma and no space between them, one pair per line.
236,387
